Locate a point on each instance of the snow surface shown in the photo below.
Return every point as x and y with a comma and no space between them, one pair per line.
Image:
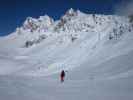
95,50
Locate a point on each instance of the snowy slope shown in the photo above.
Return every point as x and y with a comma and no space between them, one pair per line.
96,50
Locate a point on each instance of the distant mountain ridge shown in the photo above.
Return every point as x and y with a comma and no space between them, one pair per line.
73,23
75,17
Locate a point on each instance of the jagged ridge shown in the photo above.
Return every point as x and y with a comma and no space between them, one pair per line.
74,23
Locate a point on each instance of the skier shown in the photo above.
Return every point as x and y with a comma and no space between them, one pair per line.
62,75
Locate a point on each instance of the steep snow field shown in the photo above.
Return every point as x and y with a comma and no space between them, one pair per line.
95,50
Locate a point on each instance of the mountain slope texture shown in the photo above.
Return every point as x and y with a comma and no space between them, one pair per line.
96,51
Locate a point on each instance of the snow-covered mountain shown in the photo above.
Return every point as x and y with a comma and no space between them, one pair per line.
96,46
73,24
74,31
